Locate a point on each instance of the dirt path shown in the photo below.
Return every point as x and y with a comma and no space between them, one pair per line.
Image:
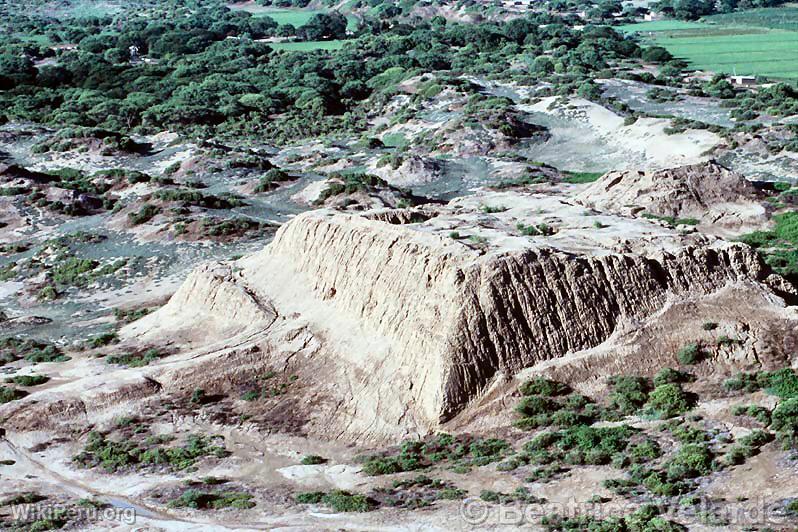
32,468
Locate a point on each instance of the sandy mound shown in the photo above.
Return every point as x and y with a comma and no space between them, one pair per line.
643,144
707,192
412,170
403,326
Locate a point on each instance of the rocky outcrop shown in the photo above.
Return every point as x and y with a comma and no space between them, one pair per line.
708,192
411,170
485,133
355,192
417,322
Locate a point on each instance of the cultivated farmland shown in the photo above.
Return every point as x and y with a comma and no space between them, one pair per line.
741,49
295,17
780,18
308,46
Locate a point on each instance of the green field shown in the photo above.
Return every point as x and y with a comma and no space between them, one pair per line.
745,50
307,46
295,17
94,9
659,25
41,40
779,18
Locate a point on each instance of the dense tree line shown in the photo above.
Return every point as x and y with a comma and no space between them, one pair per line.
694,9
209,74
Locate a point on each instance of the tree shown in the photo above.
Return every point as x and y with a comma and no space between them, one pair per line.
656,54
16,70
116,55
323,26
258,102
543,65
720,87
53,76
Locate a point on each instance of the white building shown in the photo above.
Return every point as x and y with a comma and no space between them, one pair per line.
743,81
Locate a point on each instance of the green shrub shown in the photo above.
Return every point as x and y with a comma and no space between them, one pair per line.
488,448
595,444
353,182
196,198
113,455
669,375
783,383
569,418
8,394
535,230
145,213
47,353
343,501
521,494
131,315
110,455
53,523
759,413
72,271
669,400
12,349
387,466
543,386
747,446
647,518
725,340
103,339
644,451
28,497
309,497
535,404
417,454
746,382
544,474
271,180
628,393
134,177
689,434
690,461
489,496
48,293
689,354
785,421
198,396
671,220
28,380
450,493
201,500
313,459
135,360
251,395
541,441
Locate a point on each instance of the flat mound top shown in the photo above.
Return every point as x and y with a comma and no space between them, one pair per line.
488,224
